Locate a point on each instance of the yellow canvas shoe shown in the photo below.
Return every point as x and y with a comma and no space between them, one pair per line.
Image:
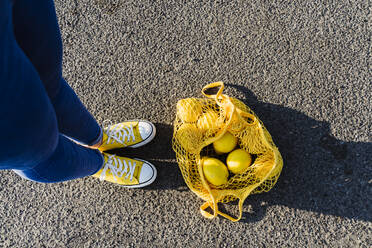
127,134
130,173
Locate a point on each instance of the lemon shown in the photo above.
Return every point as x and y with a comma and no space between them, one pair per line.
189,136
215,171
189,110
225,144
238,161
208,121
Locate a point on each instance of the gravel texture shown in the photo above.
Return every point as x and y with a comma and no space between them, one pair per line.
303,66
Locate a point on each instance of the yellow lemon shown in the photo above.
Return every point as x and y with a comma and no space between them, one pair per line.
189,136
225,144
238,161
189,110
215,171
208,121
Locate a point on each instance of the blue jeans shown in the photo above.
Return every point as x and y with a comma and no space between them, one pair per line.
38,109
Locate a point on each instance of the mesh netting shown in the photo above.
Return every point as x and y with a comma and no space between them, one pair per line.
200,122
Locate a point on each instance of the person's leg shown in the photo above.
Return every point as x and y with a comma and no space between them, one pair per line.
28,126
37,33
29,135
74,120
69,161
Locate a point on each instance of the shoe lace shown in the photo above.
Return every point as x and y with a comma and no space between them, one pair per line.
118,168
120,134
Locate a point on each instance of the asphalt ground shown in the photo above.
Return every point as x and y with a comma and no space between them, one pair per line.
304,67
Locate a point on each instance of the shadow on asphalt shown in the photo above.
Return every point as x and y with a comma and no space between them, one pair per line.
321,173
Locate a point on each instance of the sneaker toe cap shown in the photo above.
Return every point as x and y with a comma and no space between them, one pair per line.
146,129
147,174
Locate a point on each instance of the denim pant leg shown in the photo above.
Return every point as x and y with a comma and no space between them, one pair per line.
28,125
69,161
37,33
30,140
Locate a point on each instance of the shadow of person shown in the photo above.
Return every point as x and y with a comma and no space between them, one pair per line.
320,174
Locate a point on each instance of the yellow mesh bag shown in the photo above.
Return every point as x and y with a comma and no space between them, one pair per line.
200,122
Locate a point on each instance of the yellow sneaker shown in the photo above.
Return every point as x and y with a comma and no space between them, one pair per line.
130,173
127,134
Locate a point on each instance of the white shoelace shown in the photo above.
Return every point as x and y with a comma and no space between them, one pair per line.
120,134
118,167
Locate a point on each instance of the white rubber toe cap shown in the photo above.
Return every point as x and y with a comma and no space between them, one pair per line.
145,129
147,175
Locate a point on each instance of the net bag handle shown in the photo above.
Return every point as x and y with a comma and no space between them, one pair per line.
219,97
219,94
214,207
